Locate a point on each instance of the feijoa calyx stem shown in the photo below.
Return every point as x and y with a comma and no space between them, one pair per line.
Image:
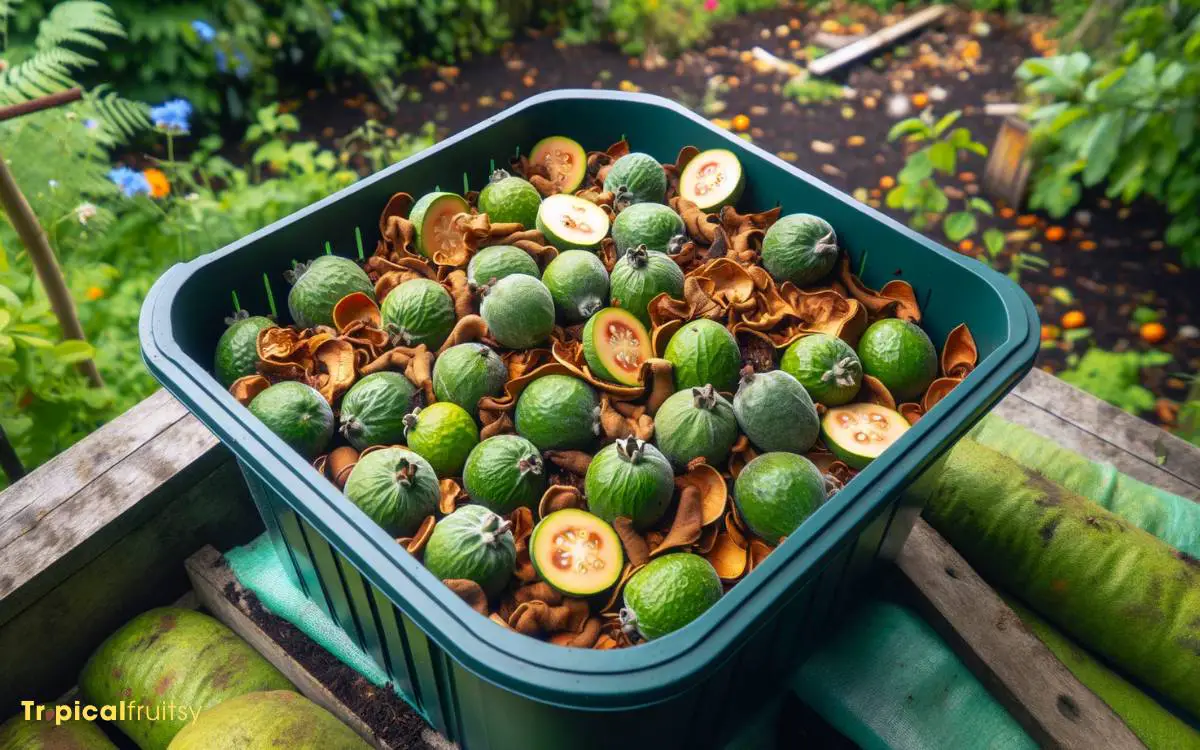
639,256
531,464
493,528
706,397
405,471
631,449
410,420
841,373
499,175
676,243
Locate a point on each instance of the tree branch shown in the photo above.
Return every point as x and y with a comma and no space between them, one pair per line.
44,102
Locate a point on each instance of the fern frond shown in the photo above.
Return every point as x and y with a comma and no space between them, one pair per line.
121,118
83,23
46,72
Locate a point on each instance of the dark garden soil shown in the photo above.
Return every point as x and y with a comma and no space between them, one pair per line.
1105,260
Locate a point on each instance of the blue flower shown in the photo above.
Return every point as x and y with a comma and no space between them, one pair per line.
337,15
129,181
172,116
204,31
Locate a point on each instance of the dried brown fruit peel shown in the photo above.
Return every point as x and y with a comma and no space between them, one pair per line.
416,543
959,354
356,307
244,389
560,497
712,490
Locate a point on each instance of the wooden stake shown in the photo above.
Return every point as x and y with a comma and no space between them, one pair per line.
33,236
37,105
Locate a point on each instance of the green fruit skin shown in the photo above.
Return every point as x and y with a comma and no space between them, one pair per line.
498,261
266,721
776,413
494,479
465,373
684,431
563,143
800,248
900,355
574,517
510,199
641,175
398,506
43,734
298,414
558,412
670,592
519,312
578,282
775,492
444,436
733,196
1110,586
591,351
417,216
461,548
421,311
326,280
649,224
640,491
703,352
173,655
237,349
637,279
373,409
810,359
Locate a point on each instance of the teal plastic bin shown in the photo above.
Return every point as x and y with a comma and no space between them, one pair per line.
484,686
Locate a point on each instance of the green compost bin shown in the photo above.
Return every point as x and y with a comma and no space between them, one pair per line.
477,683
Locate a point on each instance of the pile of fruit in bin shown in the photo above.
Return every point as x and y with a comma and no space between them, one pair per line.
594,395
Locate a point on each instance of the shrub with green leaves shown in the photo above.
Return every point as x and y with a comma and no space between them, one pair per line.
1115,377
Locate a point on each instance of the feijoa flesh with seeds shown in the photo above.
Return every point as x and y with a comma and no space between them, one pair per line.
576,552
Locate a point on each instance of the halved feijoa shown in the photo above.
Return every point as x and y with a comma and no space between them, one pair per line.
432,217
712,179
800,248
651,224
564,160
578,282
237,349
615,344
509,199
495,262
636,178
569,222
858,433
576,552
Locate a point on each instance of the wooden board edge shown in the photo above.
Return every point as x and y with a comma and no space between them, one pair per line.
210,576
1037,689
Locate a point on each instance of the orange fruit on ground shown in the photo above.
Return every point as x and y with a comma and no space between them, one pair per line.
966,176
920,99
1152,332
1055,234
1027,220
1007,213
1049,332
741,123
887,182
732,82
1087,245
1073,319
966,246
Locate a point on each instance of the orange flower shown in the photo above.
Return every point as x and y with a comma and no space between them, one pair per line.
160,186
920,99
966,246
1074,319
94,293
1055,234
741,123
1007,213
1153,332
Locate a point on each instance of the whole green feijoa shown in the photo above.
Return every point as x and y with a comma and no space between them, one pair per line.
237,349
465,373
519,311
395,487
629,478
775,492
508,199
505,472
640,276
650,224
419,311
373,409
901,355
695,423
473,544
704,352
827,367
636,178
578,282
800,248
491,264
775,412
558,412
317,286
670,592
298,414
443,434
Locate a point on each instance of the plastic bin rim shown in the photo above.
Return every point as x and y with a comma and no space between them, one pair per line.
515,662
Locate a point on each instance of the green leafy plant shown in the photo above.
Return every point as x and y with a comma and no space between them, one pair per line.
1115,377
1124,115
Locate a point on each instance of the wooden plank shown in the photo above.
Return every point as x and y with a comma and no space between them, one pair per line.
828,63
1078,421
43,646
56,532
210,576
1049,702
